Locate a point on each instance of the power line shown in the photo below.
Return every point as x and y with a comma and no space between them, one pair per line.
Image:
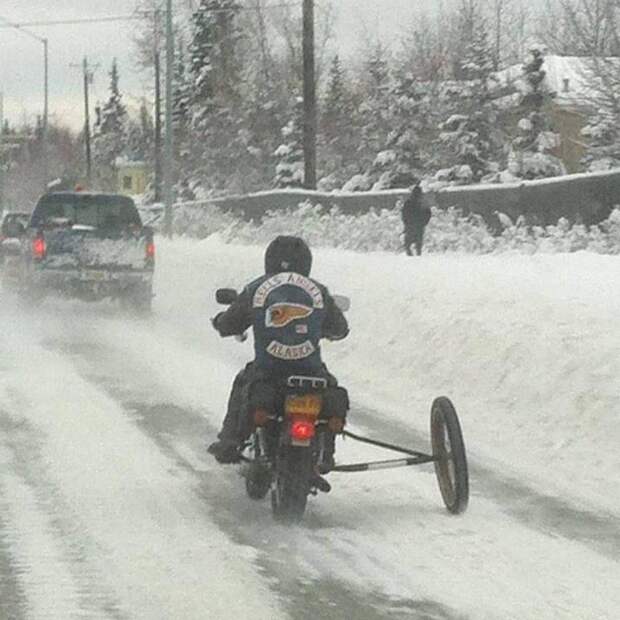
125,18
9,24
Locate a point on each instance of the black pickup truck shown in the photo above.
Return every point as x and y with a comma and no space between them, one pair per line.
87,246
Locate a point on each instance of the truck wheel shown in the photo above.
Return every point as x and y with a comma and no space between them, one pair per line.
30,296
138,299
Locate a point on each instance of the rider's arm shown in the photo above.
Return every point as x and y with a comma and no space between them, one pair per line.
237,318
335,326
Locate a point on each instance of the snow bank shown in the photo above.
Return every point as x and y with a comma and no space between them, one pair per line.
448,231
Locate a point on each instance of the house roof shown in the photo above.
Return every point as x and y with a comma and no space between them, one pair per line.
570,78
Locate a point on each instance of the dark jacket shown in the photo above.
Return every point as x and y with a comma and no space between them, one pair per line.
289,314
415,214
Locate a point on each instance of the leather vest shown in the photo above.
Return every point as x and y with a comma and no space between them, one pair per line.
288,310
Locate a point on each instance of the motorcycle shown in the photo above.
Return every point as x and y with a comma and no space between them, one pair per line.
295,421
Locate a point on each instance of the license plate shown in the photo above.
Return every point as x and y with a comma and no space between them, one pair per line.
306,405
94,275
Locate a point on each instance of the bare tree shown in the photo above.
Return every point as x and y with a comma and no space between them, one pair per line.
287,23
582,27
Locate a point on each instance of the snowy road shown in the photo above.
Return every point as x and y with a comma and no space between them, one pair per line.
110,508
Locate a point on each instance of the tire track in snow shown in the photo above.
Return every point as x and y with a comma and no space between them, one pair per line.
13,601
181,434
48,553
233,511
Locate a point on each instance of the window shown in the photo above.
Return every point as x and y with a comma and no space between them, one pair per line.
127,182
87,209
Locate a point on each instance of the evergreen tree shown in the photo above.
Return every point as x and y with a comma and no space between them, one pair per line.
337,138
110,133
400,163
374,115
140,137
181,117
603,129
603,132
530,154
466,143
218,145
290,154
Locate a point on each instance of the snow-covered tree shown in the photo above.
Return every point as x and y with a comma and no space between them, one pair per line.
603,133
424,48
466,145
110,132
400,163
140,136
290,154
181,116
530,154
215,70
337,132
371,118
374,116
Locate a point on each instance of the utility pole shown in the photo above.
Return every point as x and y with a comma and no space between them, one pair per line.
88,78
157,145
310,122
168,155
44,137
1,151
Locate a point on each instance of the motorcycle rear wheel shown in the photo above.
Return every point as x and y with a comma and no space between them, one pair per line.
449,451
257,480
291,485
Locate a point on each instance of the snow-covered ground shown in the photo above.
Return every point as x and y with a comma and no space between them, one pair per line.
111,509
526,346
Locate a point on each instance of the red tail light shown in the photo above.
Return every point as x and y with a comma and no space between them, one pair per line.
39,248
150,250
302,430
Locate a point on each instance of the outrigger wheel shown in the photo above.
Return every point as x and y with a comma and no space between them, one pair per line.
449,454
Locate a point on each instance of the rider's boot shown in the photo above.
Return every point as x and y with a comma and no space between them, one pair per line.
321,484
225,451
326,456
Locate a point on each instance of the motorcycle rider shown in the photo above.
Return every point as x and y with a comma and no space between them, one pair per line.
289,313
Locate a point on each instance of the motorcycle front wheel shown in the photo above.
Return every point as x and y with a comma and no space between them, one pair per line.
291,484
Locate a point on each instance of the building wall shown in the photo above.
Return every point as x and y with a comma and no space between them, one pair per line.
569,123
132,180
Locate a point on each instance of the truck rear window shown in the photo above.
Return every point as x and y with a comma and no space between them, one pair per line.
97,210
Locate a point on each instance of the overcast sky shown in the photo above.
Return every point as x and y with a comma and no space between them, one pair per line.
21,57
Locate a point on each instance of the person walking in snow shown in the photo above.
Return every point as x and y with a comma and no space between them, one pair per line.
415,218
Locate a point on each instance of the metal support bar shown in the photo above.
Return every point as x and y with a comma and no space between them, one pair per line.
390,464
388,446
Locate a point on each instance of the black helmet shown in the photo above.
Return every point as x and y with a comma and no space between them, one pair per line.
286,253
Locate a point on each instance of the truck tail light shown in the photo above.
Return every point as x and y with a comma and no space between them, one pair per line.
39,248
150,250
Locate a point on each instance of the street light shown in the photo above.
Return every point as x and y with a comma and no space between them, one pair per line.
44,41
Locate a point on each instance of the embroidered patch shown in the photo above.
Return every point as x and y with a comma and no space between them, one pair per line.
286,352
281,314
293,279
